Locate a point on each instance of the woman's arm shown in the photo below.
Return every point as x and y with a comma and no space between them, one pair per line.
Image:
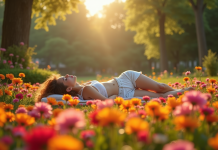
90,93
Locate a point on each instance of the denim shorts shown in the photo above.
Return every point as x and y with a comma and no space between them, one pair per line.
126,83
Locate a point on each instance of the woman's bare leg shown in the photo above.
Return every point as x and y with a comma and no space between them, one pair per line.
145,83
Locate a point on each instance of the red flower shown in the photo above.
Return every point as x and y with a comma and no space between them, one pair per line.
93,117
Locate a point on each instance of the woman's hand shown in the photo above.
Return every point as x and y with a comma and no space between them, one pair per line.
112,97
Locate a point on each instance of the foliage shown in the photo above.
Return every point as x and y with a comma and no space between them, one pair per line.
22,55
210,63
32,76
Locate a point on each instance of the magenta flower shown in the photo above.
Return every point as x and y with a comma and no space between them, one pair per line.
15,89
43,108
207,79
207,111
29,95
179,93
86,134
106,103
208,96
179,145
15,100
204,85
38,137
89,103
146,98
195,98
70,119
163,100
184,109
198,82
3,49
4,61
170,95
7,140
34,114
143,136
187,73
19,96
19,131
21,110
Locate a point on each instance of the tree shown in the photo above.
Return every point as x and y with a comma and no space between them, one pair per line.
199,7
17,17
152,19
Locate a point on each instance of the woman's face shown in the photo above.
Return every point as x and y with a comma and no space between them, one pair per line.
68,80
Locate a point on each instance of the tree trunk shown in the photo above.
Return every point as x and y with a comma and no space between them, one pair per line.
16,23
199,23
162,44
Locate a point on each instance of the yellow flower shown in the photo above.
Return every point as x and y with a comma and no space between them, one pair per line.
60,104
8,107
57,111
64,142
172,102
22,75
10,116
215,104
24,119
136,101
1,92
118,100
29,108
213,142
186,122
94,106
2,117
132,109
10,76
27,85
67,97
135,125
151,107
162,113
73,102
2,77
186,79
126,105
211,90
159,78
212,81
51,101
7,92
110,116
52,122
17,81
153,73
10,88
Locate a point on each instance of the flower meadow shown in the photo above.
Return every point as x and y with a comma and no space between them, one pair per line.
185,122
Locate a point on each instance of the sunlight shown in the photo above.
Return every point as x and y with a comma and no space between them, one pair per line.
94,6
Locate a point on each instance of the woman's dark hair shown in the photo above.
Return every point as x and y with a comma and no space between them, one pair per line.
51,86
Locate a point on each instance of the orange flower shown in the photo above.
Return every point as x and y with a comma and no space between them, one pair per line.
57,111
151,107
4,146
2,77
162,113
2,104
10,116
213,142
1,92
2,117
153,73
172,102
136,101
21,106
60,104
52,122
10,76
67,97
118,100
94,106
27,85
22,75
215,104
24,119
171,73
10,88
17,81
49,67
126,105
159,78
186,122
211,90
7,92
134,125
186,79
212,81
29,108
212,118
51,101
8,107
73,102
198,68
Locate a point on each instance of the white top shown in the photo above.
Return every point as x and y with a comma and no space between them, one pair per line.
99,86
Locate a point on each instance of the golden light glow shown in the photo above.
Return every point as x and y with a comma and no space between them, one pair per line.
95,6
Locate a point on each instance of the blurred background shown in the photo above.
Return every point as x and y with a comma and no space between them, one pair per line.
111,36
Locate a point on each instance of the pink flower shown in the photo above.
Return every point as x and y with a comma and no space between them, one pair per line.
204,85
195,98
43,108
19,96
15,100
17,56
207,79
70,119
143,136
21,110
29,95
27,67
179,93
207,111
216,95
170,95
87,134
96,101
184,109
89,144
208,96
21,43
179,145
3,49
106,103
34,114
19,131
11,66
142,113
7,140
198,82
187,73
38,137
4,61
11,54
89,103
146,98
22,59
156,100
163,100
